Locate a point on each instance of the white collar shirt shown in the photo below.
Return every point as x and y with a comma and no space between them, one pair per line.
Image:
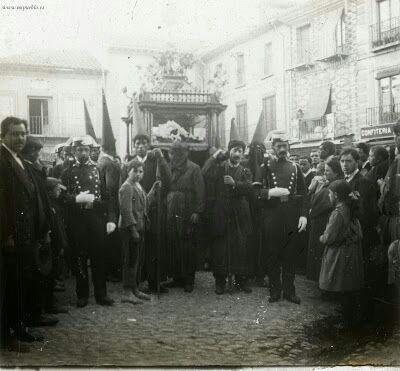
14,155
350,177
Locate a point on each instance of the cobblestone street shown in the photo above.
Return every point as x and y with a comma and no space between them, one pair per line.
204,329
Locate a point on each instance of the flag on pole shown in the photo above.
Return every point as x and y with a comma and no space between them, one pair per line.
88,123
108,139
261,130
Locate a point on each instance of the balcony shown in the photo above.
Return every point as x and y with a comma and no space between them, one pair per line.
383,114
36,124
312,129
173,96
385,34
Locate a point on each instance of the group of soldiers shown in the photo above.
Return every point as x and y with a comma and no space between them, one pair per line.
222,204
250,211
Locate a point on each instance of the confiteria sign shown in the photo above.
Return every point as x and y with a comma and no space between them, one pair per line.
384,130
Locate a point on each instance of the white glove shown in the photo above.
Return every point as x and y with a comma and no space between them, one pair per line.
110,227
302,224
84,197
278,192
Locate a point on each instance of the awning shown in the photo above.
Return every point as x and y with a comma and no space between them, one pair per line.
326,34
319,103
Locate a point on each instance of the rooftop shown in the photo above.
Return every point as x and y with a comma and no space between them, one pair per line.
64,60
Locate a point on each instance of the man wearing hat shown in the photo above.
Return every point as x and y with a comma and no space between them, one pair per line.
284,212
231,222
90,215
155,168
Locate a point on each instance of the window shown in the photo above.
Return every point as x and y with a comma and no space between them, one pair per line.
38,115
303,45
341,33
268,59
389,98
388,9
389,89
241,116
269,109
388,14
240,69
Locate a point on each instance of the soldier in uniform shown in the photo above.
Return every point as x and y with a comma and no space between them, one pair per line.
90,215
284,208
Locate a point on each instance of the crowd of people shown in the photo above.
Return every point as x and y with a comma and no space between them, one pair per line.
257,215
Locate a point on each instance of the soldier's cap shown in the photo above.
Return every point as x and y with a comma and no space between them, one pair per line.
277,136
58,148
51,183
86,141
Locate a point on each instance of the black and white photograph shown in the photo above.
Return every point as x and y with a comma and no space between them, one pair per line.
193,184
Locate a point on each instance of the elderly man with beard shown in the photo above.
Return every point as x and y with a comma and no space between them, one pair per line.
231,218
185,204
284,211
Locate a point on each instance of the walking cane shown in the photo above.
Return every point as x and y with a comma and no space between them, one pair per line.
159,221
158,273
228,241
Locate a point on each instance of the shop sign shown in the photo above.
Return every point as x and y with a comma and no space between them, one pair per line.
378,131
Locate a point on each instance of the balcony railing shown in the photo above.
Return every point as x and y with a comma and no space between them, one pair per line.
312,129
383,114
36,124
179,97
385,32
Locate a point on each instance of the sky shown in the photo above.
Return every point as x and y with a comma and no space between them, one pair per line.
95,24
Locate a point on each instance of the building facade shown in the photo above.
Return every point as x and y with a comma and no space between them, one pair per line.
248,75
48,88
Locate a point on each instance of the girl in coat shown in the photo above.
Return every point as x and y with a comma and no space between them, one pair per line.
342,262
320,209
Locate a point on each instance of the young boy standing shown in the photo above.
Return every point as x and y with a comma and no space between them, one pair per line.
133,222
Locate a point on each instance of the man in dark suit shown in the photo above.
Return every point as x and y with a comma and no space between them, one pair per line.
363,164
305,166
367,215
23,225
